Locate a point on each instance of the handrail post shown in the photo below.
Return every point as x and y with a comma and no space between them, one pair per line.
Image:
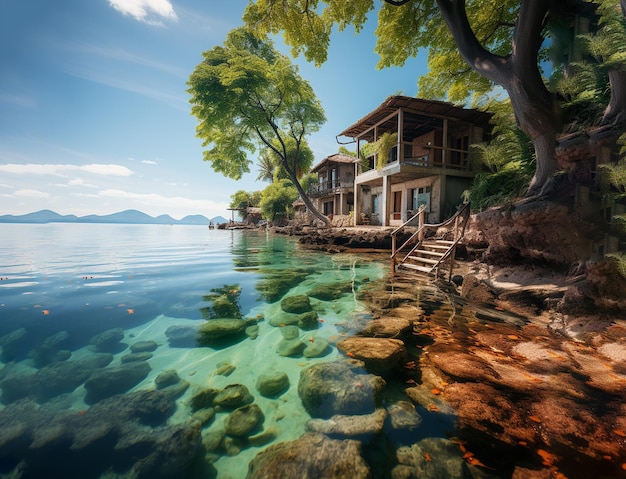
393,253
422,220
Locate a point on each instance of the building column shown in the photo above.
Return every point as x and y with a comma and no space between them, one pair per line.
387,201
357,204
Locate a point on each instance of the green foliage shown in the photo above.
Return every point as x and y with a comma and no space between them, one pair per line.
619,260
245,94
504,166
277,200
299,160
243,199
382,147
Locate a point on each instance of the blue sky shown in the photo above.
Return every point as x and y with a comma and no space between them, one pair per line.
94,114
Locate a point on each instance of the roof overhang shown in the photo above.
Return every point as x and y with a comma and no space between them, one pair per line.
419,117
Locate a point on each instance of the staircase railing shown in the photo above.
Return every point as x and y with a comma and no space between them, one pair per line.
458,220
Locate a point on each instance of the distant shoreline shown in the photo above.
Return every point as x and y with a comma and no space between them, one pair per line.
122,217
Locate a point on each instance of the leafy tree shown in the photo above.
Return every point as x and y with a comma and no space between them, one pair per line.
277,200
472,46
267,166
245,94
242,199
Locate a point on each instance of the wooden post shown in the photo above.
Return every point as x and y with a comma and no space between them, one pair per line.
421,222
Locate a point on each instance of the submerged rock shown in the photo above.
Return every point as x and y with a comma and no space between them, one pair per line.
108,341
316,347
296,304
214,331
330,291
243,420
380,355
312,455
233,396
143,346
429,459
290,347
272,384
362,427
328,389
111,381
166,378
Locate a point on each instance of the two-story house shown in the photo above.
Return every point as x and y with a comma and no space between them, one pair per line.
334,192
430,163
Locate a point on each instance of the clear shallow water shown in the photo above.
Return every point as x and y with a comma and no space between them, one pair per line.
497,396
64,284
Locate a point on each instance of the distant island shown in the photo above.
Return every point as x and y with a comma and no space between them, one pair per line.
123,217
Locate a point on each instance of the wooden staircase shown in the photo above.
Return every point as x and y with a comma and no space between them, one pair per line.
431,245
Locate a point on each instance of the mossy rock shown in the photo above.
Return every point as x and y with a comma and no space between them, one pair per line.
203,399
270,385
330,291
215,330
290,347
277,284
284,319
309,321
298,304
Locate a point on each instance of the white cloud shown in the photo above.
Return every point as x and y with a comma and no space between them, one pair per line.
58,169
145,10
149,162
167,202
32,193
80,182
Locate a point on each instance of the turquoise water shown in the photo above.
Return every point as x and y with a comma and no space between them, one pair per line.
77,299
108,369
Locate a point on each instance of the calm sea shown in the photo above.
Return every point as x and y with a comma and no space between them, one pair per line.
91,313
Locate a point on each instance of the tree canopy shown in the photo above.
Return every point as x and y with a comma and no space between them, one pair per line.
246,95
473,46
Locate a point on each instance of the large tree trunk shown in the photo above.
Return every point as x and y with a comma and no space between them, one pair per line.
538,115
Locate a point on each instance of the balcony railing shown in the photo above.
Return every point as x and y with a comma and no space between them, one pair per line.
328,187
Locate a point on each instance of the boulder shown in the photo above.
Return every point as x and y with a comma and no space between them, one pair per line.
329,389
272,384
361,427
214,331
243,420
296,304
388,328
314,453
14,345
330,291
166,378
233,396
108,341
429,459
380,355
402,415
309,321
290,332
316,347
133,357
108,382
143,346
203,399
48,351
290,347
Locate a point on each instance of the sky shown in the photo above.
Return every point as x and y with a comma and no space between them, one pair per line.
95,117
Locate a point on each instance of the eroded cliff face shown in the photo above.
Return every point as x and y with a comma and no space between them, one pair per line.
541,232
532,240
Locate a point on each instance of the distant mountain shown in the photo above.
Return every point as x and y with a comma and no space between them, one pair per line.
123,217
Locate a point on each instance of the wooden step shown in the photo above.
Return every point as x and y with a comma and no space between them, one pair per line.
438,254
435,246
448,242
415,267
424,260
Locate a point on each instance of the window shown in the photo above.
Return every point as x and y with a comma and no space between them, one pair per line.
420,196
375,205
